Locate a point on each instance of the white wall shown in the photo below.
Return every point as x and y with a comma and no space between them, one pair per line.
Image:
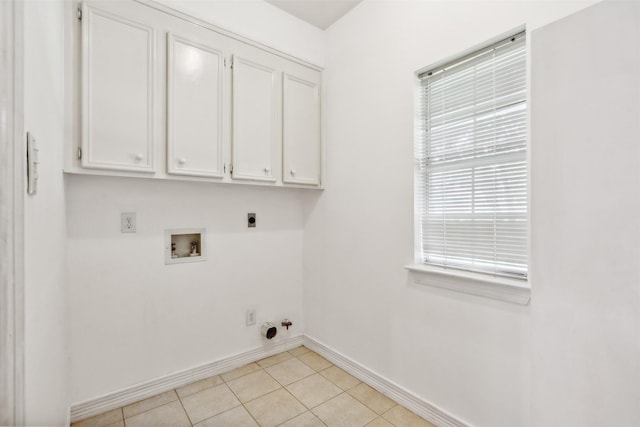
467,355
586,210
261,22
46,319
134,319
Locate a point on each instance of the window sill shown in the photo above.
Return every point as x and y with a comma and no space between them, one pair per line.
499,288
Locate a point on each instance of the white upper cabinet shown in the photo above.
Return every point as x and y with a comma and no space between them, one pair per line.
118,105
170,96
256,120
301,133
194,108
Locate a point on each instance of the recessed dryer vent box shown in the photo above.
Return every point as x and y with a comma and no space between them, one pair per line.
184,245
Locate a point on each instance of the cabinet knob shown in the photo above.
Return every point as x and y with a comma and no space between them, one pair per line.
293,172
139,156
182,160
267,170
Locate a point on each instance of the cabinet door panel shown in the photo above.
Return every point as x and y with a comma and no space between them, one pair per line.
118,74
301,151
195,106
255,120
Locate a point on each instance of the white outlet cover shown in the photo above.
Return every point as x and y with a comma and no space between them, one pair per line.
128,222
251,317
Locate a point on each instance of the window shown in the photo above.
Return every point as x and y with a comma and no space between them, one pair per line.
471,162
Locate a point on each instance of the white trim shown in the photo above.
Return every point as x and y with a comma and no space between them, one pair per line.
484,285
12,194
137,392
404,397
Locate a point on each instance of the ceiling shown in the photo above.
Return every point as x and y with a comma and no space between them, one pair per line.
321,13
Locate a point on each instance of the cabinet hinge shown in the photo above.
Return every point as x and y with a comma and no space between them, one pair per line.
231,169
79,153
231,63
225,62
79,14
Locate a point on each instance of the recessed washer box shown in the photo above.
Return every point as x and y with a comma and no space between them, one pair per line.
184,245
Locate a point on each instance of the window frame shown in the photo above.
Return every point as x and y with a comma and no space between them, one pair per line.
486,284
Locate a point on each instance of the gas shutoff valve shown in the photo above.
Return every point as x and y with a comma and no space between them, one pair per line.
286,323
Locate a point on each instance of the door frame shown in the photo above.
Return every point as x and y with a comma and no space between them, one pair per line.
12,195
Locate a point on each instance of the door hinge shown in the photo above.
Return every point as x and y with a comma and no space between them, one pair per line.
79,14
231,63
79,153
231,169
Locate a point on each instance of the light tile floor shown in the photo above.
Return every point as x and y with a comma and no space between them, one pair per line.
296,388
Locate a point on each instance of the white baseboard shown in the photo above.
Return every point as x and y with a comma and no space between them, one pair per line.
137,392
426,410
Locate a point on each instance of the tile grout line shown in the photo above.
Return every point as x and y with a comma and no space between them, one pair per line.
377,415
282,386
147,410
238,397
296,398
300,379
384,418
369,407
226,383
175,390
256,398
356,398
342,391
244,375
250,414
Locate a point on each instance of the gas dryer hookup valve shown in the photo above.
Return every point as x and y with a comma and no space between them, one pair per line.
286,323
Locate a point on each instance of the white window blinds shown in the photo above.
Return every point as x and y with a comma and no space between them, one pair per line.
471,162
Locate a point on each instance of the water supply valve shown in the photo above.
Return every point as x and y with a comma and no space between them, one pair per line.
286,323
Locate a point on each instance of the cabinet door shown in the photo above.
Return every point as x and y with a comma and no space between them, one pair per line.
301,139
118,76
255,120
195,108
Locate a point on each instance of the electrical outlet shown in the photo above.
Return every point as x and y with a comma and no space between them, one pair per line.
128,222
250,317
